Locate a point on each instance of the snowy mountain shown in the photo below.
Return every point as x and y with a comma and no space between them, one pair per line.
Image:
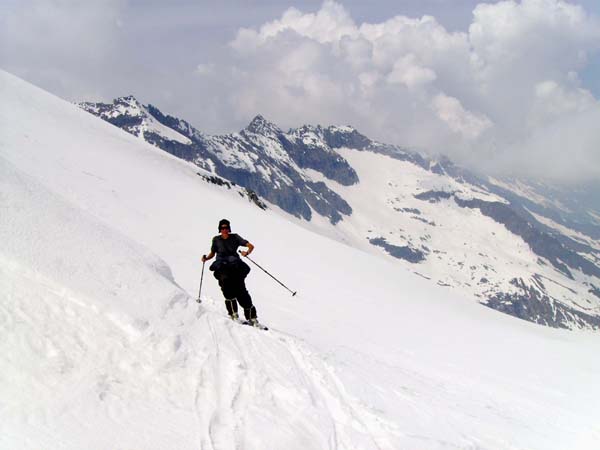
260,157
519,247
103,345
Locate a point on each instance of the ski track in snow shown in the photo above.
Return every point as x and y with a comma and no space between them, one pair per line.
249,391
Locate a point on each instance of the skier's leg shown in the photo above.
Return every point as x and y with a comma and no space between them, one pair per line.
228,287
243,297
232,307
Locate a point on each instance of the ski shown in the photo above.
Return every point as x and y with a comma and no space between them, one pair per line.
258,325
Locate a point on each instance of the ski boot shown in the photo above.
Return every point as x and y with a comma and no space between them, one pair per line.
232,308
256,324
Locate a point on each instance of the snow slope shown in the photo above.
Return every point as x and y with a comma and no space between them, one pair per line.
462,249
104,347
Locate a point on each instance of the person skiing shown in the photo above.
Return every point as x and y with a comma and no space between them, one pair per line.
231,271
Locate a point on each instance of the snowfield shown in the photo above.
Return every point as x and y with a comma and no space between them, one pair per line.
104,347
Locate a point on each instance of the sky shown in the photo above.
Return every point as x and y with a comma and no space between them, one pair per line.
509,87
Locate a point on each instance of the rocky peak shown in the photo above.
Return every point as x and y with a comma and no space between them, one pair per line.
306,129
309,136
129,105
346,136
313,128
260,125
127,99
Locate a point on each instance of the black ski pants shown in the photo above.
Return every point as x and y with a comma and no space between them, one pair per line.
233,286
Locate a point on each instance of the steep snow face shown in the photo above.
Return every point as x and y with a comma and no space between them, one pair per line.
100,264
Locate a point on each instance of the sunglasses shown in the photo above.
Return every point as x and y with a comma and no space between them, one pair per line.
224,228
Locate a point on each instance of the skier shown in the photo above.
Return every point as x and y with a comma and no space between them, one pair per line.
231,271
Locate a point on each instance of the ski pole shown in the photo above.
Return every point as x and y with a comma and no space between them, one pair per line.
257,265
199,300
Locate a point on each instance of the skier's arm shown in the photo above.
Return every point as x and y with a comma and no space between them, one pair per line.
250,249
213,250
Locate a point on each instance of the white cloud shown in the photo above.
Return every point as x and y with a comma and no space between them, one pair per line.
459,120
409,72
553,101
412,82
329,24
571,142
